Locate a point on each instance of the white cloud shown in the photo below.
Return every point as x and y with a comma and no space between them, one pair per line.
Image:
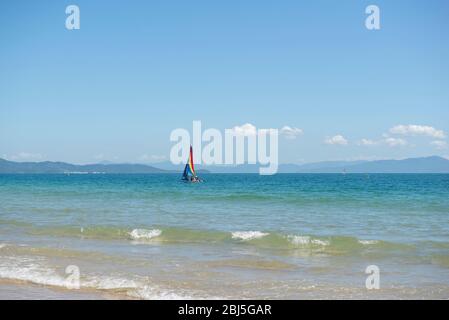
389,141
25,156
368,142
439,144
245,130
290,133
336,140
395,142
98,156
414,130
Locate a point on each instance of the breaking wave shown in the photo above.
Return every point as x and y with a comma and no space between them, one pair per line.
35,270
337,244
248,235
139,234
306,240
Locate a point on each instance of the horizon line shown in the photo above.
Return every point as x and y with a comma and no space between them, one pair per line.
108,162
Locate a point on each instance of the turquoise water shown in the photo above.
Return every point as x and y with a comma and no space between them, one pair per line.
233,236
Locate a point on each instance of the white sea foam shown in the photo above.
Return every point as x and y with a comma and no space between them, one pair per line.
299,240
306,240
320,242
158,293
24,269
153,293
248,235
368,242
141,289
109,283
35,270
144,234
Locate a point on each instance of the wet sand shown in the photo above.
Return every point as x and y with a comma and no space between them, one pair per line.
22,290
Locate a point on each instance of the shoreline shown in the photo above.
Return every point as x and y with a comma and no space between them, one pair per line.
26,290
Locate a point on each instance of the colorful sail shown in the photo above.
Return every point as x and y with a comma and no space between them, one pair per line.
189,170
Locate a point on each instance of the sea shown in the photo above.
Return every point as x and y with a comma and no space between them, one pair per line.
233,236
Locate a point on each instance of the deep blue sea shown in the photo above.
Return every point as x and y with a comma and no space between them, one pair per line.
287,236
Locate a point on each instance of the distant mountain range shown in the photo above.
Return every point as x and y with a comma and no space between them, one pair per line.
62,167
432,164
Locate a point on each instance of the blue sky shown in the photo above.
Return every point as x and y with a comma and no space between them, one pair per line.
136,70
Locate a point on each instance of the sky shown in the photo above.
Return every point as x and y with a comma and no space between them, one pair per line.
136,70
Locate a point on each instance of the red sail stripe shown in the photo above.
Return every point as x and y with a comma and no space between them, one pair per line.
191,159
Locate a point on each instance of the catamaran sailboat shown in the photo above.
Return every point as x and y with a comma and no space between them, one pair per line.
189,174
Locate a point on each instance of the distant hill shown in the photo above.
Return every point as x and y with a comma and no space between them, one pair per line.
62,167
432,164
